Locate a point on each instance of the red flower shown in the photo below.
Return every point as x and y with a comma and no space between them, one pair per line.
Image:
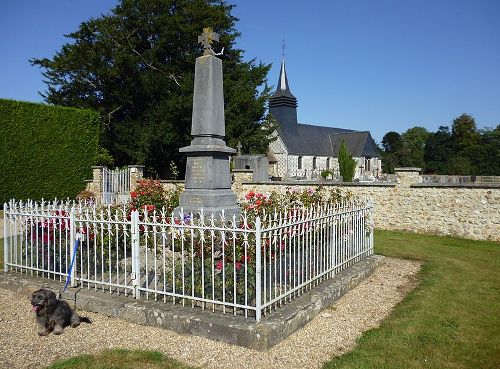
150,208
133,194
250,195
237,265
218,266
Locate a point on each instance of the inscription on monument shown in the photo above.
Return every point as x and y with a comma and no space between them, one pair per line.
197,170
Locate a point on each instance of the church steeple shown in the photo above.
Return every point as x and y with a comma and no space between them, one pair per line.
283,105
283,95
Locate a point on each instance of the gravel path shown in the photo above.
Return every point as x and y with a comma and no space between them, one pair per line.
334,332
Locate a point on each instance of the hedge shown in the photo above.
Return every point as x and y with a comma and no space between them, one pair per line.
45,151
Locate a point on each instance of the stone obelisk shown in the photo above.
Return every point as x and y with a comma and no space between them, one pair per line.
208,179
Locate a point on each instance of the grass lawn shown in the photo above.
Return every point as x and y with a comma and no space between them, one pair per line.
451,320
120,359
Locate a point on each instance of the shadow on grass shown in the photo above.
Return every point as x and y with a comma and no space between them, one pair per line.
450,320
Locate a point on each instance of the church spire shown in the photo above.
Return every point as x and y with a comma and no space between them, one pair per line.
283,95
283,105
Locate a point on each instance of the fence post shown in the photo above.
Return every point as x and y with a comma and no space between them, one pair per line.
134,230
258,270
72,240
6,247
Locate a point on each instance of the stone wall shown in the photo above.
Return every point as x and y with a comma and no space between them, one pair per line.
468,211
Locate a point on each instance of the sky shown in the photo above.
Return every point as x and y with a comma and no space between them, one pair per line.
377,65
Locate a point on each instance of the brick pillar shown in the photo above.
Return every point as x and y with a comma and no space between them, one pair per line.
407,176
136,174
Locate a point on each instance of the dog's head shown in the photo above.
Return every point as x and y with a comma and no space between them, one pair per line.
41,299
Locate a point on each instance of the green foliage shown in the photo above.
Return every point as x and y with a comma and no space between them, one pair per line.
45,151
120,359
411,152
326,173
136,67
174,171
391,143
104,158
438,151
463,150
347,165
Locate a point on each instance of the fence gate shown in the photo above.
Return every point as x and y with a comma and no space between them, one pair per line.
116,185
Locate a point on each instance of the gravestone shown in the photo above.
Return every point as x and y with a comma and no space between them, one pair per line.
208,178
259,164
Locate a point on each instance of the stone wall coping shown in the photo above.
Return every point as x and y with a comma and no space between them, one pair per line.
407,169
456,185
242,170
324,183
172,181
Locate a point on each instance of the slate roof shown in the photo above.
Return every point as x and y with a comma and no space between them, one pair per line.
313,140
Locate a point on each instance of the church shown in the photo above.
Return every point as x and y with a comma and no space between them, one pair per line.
303,151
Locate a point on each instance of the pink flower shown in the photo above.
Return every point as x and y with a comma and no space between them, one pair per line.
237,265
218,266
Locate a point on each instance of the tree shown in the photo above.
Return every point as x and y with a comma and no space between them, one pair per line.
485,156
391,143
136,67
411,152
464,133
438,151
347,165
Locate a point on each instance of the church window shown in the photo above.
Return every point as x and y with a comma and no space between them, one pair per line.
367,164
299,163
314,163
327,163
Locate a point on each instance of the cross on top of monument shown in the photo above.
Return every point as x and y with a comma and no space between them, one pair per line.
206,40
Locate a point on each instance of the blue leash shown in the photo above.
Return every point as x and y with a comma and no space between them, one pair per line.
77,243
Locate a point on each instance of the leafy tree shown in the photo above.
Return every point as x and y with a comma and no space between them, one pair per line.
136,67
405,150
411,152
347,165
464,133
438,151
485,156
391,143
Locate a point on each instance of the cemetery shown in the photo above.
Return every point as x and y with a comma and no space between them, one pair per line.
293,249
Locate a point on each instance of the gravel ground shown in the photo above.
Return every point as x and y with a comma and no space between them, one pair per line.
333,332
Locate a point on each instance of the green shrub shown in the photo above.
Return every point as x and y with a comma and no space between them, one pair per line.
45,151
347,165
326,173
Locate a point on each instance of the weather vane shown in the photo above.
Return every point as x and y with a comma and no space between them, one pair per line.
206,40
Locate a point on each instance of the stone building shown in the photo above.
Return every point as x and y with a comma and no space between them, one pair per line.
304,151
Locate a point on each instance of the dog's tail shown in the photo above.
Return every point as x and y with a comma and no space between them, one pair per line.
84,319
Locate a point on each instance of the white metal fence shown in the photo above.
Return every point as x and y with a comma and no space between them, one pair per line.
248,266
116,185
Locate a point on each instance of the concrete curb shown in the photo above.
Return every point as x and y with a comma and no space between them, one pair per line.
261,336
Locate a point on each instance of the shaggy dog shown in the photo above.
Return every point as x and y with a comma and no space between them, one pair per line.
53,314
